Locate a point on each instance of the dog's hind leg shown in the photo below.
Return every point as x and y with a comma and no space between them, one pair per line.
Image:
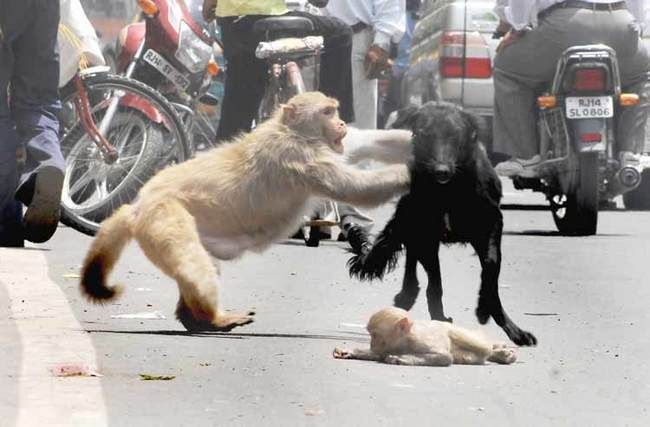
488,250
410,285
429,259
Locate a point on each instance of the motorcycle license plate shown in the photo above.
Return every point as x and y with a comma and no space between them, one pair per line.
166,69
589,107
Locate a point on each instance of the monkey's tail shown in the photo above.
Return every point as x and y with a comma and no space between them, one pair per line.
104,252
382,257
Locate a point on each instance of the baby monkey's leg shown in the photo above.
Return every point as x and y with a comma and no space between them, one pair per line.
425,359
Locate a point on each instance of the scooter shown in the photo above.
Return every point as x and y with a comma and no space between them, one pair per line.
172,52
578,116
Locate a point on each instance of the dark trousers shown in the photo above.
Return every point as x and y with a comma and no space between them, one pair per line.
29,71
246,76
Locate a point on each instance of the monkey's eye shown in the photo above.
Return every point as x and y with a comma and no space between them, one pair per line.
328,111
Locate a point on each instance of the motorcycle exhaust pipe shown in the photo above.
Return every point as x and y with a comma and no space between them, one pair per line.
629,177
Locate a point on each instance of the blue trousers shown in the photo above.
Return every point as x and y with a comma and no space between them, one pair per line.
29,101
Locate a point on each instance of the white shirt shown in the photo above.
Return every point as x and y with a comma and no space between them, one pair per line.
386,17
520,13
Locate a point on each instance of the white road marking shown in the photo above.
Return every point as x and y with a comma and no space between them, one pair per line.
50,335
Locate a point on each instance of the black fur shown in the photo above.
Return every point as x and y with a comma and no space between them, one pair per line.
454,198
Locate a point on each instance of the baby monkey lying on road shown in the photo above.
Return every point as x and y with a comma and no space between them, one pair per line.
398,340
244,195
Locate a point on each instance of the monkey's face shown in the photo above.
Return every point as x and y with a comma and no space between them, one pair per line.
315,116
334,129
388,340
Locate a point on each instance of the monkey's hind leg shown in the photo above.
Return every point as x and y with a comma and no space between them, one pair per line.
502,354
169,238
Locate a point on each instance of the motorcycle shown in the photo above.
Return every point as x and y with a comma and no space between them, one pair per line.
578,117
115,131
173,51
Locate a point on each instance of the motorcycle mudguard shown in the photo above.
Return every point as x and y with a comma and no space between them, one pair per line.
145,107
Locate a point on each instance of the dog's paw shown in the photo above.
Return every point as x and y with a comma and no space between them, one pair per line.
406,300
523,338
483,313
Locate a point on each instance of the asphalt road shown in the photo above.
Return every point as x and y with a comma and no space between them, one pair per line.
586,299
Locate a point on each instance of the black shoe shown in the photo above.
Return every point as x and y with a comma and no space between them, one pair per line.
359,239
44,205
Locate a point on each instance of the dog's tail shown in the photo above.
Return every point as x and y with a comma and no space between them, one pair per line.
104,252
382,257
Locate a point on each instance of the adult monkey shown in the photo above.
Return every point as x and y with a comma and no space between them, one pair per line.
241,196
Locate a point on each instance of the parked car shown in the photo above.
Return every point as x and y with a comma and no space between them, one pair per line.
451,55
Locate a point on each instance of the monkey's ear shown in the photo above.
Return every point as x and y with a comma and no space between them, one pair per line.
289,113
404,325
405,118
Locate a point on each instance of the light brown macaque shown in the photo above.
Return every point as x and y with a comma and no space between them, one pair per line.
241,196
398,340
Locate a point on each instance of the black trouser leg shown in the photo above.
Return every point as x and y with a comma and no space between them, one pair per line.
336,68
245,78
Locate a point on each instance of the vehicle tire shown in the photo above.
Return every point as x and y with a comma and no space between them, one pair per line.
83,205
639,198
93,189
576,213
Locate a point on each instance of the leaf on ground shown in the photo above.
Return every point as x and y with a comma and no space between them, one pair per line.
148,377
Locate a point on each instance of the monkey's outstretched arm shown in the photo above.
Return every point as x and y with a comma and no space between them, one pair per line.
357,353
426,359
391,146
335,180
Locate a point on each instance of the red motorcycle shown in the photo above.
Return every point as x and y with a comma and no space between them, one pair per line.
172,50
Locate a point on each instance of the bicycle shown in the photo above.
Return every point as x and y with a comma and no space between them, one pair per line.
289,54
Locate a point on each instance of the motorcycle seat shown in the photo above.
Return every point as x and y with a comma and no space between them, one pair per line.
283,26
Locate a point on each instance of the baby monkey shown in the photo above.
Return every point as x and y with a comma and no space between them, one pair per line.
398,340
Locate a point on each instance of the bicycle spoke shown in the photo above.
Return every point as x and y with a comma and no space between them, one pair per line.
82,182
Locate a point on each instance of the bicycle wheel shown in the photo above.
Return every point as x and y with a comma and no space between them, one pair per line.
93,187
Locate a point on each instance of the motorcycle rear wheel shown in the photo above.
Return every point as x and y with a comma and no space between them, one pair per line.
576,213
93,188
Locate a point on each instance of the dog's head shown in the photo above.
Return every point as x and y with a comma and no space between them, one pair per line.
444,137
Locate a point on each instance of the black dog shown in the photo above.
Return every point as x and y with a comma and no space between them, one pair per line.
454,198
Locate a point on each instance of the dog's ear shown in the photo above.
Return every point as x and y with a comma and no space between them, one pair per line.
476,126
405,118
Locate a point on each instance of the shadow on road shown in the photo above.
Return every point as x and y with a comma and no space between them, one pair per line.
353,336
555,233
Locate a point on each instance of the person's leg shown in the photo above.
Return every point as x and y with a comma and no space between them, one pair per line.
34,107
10,209
520,72
335,68
365,90
245,78
634,63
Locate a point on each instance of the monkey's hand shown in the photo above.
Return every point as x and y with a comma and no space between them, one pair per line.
341,353
392,359
377,61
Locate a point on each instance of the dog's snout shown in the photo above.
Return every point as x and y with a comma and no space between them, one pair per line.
442,173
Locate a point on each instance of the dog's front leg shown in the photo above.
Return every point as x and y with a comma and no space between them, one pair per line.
429,259
488,249
410,285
